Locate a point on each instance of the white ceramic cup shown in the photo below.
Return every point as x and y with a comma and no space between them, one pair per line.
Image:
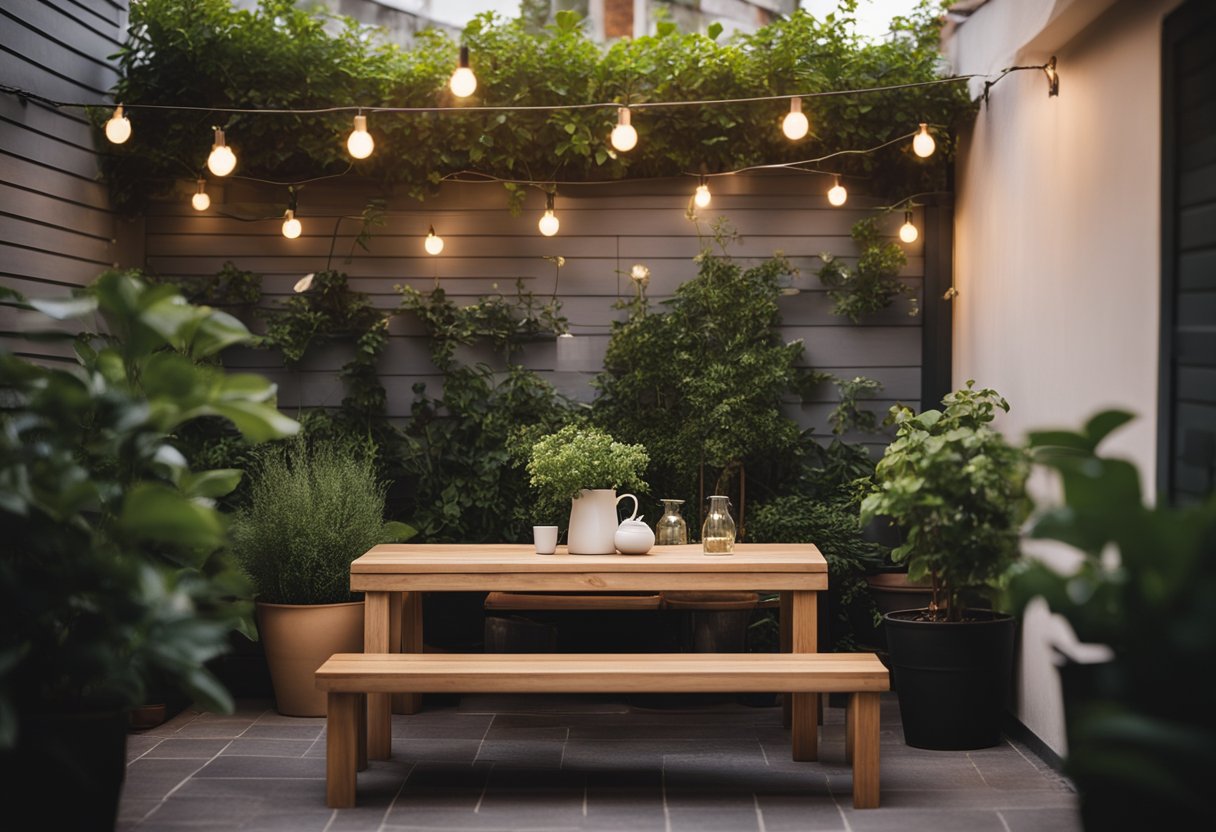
545,538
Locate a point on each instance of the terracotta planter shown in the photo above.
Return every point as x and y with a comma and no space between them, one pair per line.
297,639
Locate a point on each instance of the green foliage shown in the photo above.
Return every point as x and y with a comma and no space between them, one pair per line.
204,53
874,284
701,383
957,490
848,414
466,484
1142,734
111,574
562,464
505,324
312,509
835,529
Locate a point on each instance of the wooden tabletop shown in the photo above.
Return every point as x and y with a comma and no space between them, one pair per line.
515,558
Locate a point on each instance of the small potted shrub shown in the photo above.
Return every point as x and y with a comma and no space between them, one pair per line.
585,465
312,509
956,488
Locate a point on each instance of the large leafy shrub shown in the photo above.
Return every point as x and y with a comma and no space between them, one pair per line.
112,575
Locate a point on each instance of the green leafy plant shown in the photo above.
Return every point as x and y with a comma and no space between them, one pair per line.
562,464
1141,731
702,382
112,575
848,414
835,529
956,488
312,509
206,53
874,283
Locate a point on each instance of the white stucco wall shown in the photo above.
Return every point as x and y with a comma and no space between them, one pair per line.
1057,242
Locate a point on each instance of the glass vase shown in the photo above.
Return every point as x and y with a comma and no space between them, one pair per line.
718,530
671,529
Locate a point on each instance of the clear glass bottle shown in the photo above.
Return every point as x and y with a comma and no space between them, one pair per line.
718,530
671,529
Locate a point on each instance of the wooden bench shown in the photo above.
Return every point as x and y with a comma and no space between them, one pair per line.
349,677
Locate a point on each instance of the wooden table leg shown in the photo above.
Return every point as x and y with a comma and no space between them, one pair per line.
804,726
408,630
785,621
376,619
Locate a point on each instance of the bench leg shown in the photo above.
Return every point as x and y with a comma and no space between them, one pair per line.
863,738
362,732
341,749
850,726
785,620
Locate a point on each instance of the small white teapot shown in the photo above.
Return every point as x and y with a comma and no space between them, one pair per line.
633,536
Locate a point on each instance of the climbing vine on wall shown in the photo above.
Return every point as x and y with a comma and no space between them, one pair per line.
204,53
873,284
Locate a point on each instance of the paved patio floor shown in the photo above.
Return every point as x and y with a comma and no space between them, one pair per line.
575,763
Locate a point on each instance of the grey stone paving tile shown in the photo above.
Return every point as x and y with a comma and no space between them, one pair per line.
242,747
134,809
140,744
290,821
186,748
280,792
812,812
741,818
450,726
1042,820
185,809
264,767
596,755
273,717
945,820
962,799
214,728
535,753
153,779
436,750
526,732
263,731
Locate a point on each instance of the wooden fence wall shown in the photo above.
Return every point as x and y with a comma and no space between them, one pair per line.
56,228
605,229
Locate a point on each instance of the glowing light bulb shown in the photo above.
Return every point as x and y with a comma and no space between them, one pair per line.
907,231
360,143
291,225
433,242
795,125
837,195
702,196
923,144
548,224
222,160
624,135
118,128
200,200
463,82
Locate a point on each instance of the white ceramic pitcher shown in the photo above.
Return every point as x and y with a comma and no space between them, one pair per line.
593,521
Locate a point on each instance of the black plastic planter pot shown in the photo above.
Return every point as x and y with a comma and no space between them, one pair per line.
952,678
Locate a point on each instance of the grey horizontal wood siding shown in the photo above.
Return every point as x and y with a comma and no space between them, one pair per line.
56,227
605,229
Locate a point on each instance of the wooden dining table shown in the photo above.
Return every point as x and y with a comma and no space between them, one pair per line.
393,576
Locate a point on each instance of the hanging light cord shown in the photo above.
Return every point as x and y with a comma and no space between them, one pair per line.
991,79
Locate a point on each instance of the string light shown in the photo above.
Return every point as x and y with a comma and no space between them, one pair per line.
907,231
796,125
433,242
549,223
624,135
118,128
360,143
291,225
303,284
837,195
702,196
463,82
922,143
200,201
222,160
